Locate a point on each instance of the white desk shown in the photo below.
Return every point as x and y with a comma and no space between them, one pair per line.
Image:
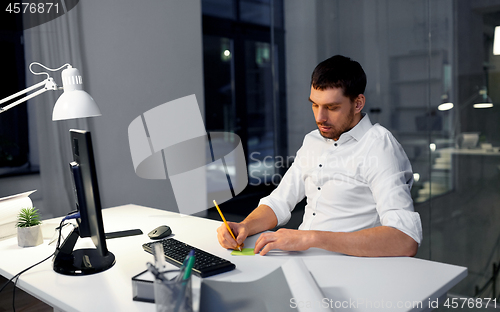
342,278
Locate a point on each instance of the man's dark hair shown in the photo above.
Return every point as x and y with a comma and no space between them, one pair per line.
340,72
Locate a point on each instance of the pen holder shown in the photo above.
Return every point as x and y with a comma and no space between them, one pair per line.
173,295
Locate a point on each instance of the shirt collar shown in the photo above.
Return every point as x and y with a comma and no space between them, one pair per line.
360,128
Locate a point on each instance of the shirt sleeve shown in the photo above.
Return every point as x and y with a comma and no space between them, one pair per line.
390,178
289,192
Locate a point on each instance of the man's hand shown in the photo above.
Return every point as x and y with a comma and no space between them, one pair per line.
380,241
284,239
226,240
261,219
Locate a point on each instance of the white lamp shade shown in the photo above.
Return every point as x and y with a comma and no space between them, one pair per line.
496,41
75,104
445,106
483,105
486,100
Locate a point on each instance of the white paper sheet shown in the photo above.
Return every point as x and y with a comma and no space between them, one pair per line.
307,296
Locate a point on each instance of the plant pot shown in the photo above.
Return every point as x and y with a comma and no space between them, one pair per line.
29,236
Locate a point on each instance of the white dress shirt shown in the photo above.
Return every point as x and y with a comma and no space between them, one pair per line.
360,181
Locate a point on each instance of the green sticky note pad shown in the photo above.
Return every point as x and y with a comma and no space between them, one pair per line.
243,252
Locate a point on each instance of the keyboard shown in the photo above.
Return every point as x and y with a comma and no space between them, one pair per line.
205,265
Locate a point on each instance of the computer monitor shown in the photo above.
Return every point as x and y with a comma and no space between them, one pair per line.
88,260
468,140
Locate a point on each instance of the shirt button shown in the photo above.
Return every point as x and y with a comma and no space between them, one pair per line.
335,144
314,213
320,165
319,188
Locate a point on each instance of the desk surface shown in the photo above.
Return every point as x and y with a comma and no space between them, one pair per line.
342,278
471,151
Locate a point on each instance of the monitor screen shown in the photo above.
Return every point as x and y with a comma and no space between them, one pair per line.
468,139
90,224
87,196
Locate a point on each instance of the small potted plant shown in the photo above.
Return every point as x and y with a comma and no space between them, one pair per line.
29,231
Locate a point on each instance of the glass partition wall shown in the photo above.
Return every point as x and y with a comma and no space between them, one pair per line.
434,82
429,64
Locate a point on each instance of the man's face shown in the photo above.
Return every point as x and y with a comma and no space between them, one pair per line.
334,112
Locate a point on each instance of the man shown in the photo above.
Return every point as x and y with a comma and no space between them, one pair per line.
355,175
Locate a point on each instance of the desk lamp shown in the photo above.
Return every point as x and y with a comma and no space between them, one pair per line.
446,104
486,101
73,103
479,100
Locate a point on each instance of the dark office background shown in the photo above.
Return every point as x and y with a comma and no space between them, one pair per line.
249,64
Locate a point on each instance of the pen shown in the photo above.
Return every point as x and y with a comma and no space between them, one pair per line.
227,225
183,266
189,265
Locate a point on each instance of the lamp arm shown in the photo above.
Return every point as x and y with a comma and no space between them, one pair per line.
13,96
468,101
48,84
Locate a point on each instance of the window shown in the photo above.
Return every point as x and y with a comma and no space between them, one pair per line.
243,48
14,138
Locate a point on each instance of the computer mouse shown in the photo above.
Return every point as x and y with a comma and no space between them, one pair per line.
160,232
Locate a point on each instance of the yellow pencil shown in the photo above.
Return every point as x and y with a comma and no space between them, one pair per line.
225,222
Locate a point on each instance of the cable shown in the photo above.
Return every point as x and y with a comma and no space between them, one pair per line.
73,216
19,274
44,73
14,295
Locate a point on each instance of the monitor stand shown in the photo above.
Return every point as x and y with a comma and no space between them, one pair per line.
81,261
